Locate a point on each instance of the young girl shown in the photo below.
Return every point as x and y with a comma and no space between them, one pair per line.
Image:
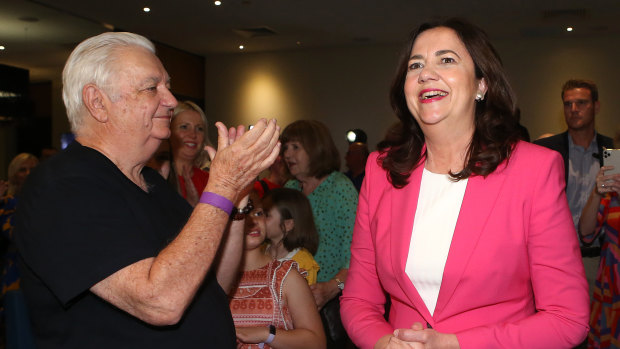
272,305
291,230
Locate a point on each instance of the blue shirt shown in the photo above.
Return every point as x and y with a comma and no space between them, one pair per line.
582,170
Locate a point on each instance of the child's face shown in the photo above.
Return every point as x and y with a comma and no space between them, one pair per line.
273,223
254,228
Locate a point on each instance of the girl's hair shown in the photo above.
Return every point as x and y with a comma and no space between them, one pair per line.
293,204
495,132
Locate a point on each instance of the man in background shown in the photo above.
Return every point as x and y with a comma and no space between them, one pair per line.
581,148
356,163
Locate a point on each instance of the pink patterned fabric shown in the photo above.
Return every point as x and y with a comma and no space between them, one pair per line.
258,299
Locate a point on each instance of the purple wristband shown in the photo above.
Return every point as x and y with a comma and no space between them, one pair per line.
218,201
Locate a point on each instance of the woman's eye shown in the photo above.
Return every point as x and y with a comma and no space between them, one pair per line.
183,127
415,65
447,60
200,129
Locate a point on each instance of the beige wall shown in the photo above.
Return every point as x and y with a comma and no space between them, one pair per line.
539,68
345,88
348,87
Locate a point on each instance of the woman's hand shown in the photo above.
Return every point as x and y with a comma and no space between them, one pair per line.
423,338
607,183
391,342
252,334
323,292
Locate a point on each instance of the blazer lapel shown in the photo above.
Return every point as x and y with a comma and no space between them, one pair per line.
480,197
404,203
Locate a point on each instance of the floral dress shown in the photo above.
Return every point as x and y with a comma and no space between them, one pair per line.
605,309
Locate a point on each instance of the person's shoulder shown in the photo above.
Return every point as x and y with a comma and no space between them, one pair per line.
338,185
303,255
552,142
77,160
605,141
283,267
529,160
530,152
338,177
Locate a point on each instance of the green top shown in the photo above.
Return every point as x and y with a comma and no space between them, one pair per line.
334,203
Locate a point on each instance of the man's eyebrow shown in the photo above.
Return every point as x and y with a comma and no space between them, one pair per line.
149,80
438,53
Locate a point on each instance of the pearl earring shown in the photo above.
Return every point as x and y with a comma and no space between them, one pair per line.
479,96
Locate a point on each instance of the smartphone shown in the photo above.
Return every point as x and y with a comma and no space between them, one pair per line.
611,157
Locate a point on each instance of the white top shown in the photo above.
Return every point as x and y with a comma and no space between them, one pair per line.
439,205
290,255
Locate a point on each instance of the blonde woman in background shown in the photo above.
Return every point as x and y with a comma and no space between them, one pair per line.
187,142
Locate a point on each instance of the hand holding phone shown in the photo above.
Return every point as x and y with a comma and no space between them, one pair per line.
611,157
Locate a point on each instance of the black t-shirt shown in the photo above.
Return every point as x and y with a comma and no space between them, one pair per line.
79,220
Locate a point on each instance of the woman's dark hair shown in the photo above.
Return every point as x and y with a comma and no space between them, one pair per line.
293,204
495,131
317,141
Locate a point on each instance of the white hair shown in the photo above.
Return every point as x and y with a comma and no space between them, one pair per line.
91,63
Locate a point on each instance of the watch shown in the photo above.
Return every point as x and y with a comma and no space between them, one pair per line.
272,335
340,284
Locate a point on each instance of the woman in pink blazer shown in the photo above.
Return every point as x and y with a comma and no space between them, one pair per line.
465,228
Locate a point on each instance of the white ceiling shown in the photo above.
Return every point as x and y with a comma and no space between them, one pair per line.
199,27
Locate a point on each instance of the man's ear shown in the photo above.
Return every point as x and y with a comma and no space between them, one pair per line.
289,224
597,107
93,99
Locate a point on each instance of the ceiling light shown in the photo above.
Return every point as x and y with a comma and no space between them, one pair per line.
241,47
569,29
146,9
217,3
1,47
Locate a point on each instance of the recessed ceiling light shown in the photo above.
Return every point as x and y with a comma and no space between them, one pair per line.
1,47
217,3
241,47
146,9
569,29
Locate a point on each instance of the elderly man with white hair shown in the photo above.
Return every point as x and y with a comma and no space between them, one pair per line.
111,256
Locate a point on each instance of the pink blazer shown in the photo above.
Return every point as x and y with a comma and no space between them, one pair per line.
514,276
